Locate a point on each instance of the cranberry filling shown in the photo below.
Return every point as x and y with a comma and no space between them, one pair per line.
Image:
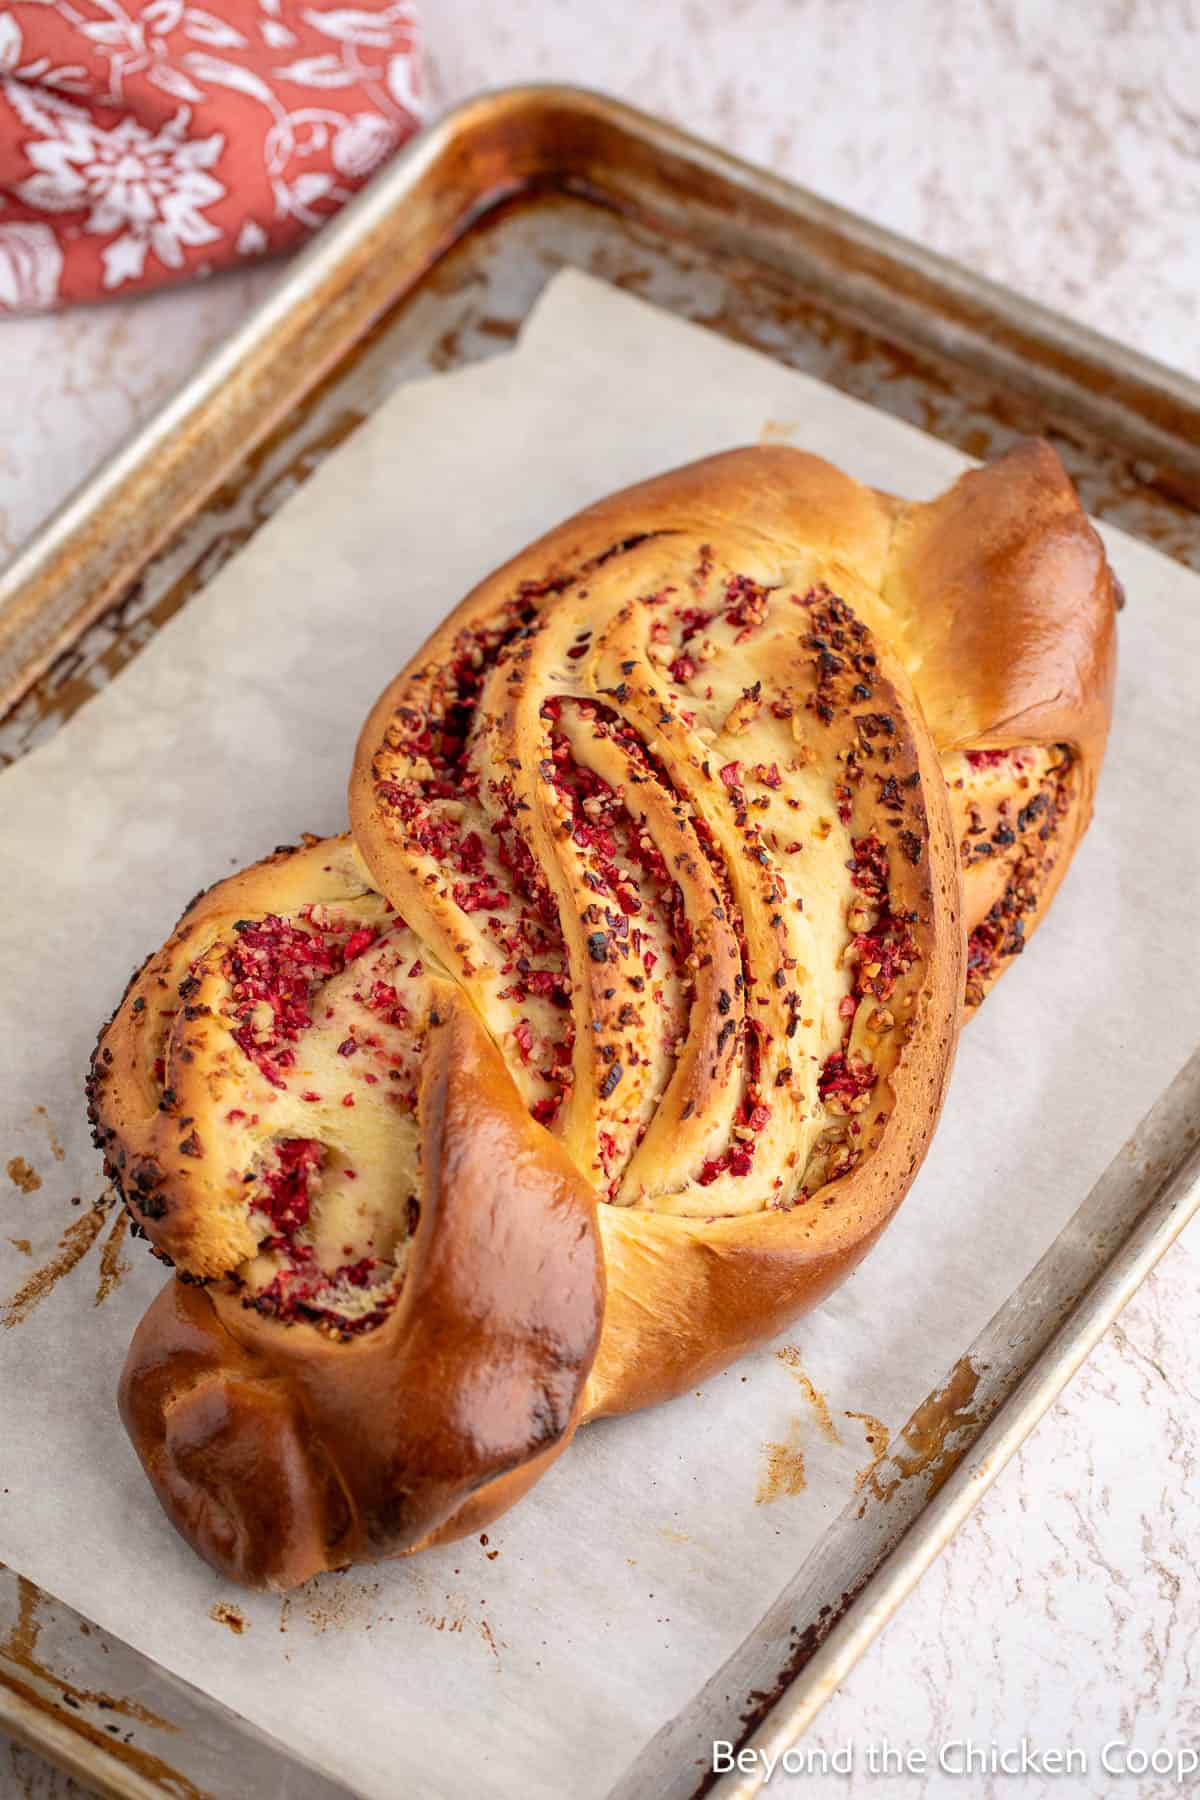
602,824
273,969
467,826
306,1291
533,957
285,1191
753,1116
638,907
301,1288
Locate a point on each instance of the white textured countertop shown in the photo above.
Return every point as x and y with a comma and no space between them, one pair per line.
1056,149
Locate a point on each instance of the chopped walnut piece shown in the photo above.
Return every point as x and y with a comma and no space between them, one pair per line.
743,712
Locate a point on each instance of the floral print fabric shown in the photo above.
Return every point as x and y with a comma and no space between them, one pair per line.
142,140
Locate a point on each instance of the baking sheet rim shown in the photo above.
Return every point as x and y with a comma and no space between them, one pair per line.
52,546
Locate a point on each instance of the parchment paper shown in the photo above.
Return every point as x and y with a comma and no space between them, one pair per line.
539,1664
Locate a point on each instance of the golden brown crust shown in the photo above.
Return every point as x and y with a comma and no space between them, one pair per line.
1003,607
278,1450
657,827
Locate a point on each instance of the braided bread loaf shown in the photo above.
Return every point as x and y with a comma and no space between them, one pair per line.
616,1032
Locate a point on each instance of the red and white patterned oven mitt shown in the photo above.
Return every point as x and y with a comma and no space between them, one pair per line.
148,140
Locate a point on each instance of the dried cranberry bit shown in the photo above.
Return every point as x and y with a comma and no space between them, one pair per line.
845,1083
869,866
746,605
692,620
737,1159
479,896
752,1117
989,759
385,1002
609,1151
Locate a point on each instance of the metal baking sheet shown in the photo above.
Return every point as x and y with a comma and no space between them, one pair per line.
436,265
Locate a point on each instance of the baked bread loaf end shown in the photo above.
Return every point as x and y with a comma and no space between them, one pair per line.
390,1286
